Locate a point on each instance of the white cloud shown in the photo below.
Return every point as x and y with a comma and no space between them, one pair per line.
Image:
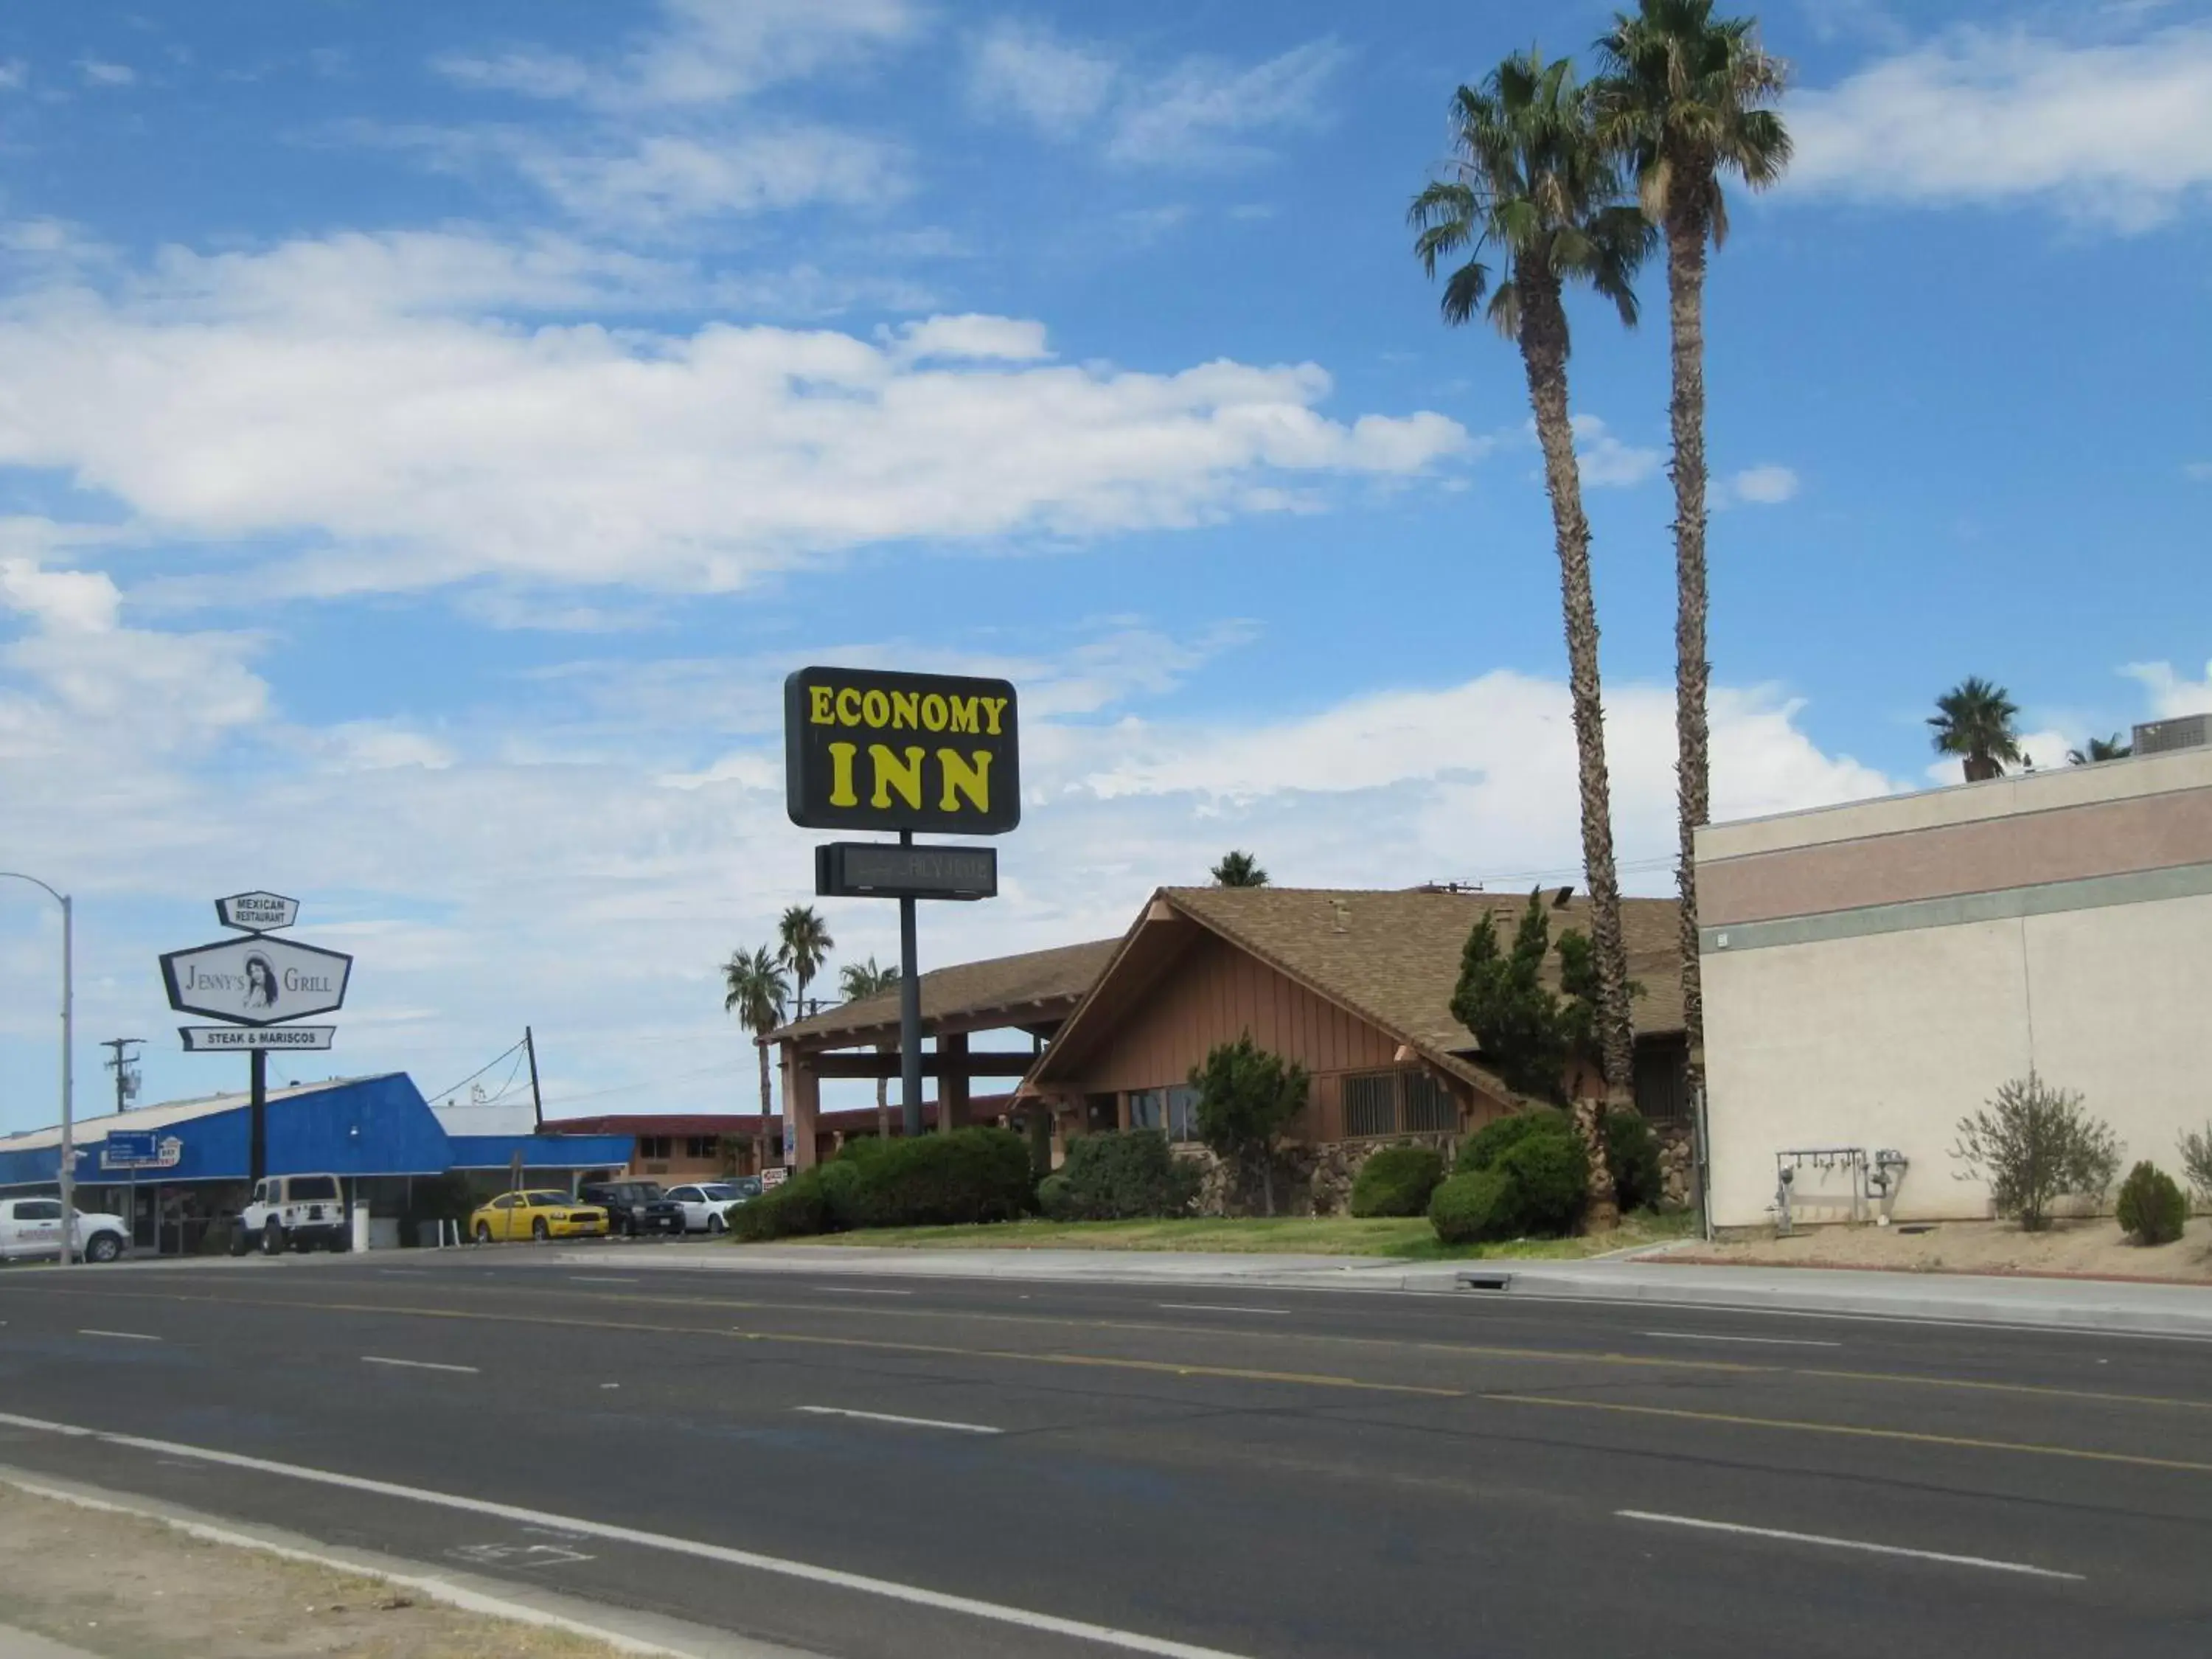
1608,463
14,75
662,178
65,601
411,447
1767,485
100,73
2169,694
2201,472
705,51
1057,86
1206,111
2116,134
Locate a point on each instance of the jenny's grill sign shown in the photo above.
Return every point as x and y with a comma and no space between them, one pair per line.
256,981
865,750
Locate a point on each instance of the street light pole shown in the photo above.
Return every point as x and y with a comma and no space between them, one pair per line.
68,1173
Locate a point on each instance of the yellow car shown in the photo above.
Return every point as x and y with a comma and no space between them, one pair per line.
538,1216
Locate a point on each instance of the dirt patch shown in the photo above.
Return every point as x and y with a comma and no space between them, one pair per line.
2092,1248
131,1588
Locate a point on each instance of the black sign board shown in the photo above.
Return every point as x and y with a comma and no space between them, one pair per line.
867,749
875,869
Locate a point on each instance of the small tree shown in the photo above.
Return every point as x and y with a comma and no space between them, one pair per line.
1501,999
1238,869
1245,1096
2196,1162
2032,1143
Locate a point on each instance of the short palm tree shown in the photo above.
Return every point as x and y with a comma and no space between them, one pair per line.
807,945
858,980
1532,179
2113,748
1974,721
1238,869
1684,98
755,989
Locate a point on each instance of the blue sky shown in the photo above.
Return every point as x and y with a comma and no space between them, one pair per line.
429,434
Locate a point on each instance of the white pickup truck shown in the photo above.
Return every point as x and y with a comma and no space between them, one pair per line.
31,1227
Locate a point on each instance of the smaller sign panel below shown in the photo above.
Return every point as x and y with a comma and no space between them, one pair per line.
875,869
126,1148
258,913
213,1039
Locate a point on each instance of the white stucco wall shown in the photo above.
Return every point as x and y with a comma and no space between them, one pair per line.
1886,1040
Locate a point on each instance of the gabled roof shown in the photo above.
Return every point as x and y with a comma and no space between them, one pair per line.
1035,987
1389,957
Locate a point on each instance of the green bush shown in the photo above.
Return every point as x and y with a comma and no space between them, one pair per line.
1119,1174
2152,1209
1482,1149
2033,1143
1475,1208
1631,1153
795,1210
1397,1181
1550,1173
967,1176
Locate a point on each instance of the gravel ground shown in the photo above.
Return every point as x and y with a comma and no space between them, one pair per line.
2094,1247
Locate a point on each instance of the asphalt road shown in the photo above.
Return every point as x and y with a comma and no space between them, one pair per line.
879,1469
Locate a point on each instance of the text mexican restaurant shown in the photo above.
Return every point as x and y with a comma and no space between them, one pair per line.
962,775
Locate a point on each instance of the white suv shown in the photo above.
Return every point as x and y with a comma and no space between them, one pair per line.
31,1227
289,1213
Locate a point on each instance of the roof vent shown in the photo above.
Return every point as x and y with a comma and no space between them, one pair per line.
1342,913
2185,732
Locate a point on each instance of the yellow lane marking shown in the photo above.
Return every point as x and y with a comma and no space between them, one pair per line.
2048,1390
1914,1437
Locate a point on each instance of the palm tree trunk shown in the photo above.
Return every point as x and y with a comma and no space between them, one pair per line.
1685,295
761,1139
1544,353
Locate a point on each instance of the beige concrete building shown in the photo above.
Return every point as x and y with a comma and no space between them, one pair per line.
1873,972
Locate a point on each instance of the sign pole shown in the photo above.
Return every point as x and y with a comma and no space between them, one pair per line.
257,1154
909,1013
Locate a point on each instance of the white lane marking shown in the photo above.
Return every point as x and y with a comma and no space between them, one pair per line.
836,1577
417,1365
1763,1341
598,1279
905,1422
1847,1544
1217,1307
854,1290
120,1336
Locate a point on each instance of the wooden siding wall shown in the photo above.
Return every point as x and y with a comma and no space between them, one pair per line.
1216,994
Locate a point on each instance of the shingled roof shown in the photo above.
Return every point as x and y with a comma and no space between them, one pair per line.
1392,958
1035,987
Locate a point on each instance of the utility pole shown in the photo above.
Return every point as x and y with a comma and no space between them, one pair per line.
537,1100
126,1081
66,1171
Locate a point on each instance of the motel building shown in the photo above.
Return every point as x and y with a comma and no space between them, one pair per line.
1874,971
377,1134
1353,985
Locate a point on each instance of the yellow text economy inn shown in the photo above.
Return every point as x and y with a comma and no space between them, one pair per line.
868,748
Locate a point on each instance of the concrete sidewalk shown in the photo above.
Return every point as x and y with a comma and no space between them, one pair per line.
1981,1299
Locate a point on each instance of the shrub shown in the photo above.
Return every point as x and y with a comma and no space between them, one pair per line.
1482,1149
2152,1209
793,1210
1475,1208
2196,1162
1397,1181
1551,1179
967,1176
2032,1143
1118,1175
1632,1152
1246,1097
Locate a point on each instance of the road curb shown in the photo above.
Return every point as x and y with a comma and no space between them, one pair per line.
671,1639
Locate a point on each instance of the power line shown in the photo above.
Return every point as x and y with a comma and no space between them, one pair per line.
442,1094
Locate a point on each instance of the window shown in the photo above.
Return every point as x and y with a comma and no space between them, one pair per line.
1183,1113
653,1145
701,1146
302,1188
1370,1104
1429,1108
38,1209
1146,1107
504,1201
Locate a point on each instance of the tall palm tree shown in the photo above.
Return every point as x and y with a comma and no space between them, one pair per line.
1238,869
1684,98
1974,721
807,945
859,980
1532,179
2115,747
755,989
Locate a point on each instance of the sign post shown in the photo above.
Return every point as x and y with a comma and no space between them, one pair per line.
869,750
256,985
